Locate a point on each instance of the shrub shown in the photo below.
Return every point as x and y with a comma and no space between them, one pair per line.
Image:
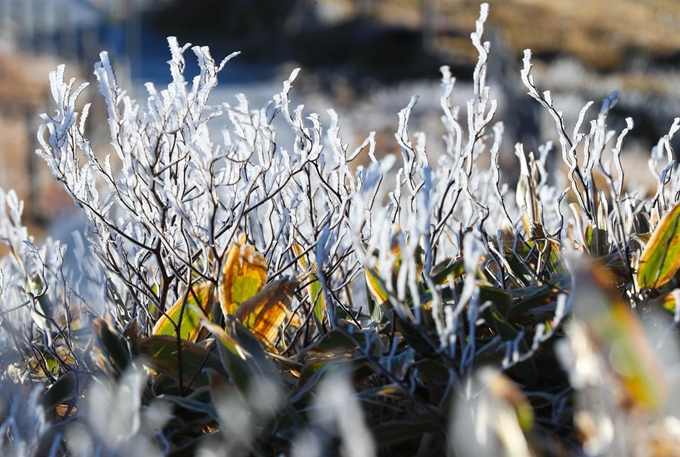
248,297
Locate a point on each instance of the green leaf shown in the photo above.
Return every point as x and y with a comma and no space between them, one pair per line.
235,359
338,342
114,350
318,302
376,286
596,240
315,291
449,267
334,342
63,390
414,335
435,371
194,405
252,344
525,370
530,298
315,369
499,297
120,305
186,317
390,433
164,355
399,364
661,257
666,301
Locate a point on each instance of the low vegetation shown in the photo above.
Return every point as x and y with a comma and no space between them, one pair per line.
238,296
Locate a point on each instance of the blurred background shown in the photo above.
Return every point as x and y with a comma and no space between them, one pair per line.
364,58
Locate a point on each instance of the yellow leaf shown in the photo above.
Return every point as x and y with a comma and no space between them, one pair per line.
376,286
671,300
186,316
634,359
243,275
264,313
620,338
661,257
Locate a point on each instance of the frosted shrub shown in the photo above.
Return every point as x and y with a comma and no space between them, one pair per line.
247,276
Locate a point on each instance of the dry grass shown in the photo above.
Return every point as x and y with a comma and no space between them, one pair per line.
601,34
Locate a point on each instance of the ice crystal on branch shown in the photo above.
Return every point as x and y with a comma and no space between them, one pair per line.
181,196
410,272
